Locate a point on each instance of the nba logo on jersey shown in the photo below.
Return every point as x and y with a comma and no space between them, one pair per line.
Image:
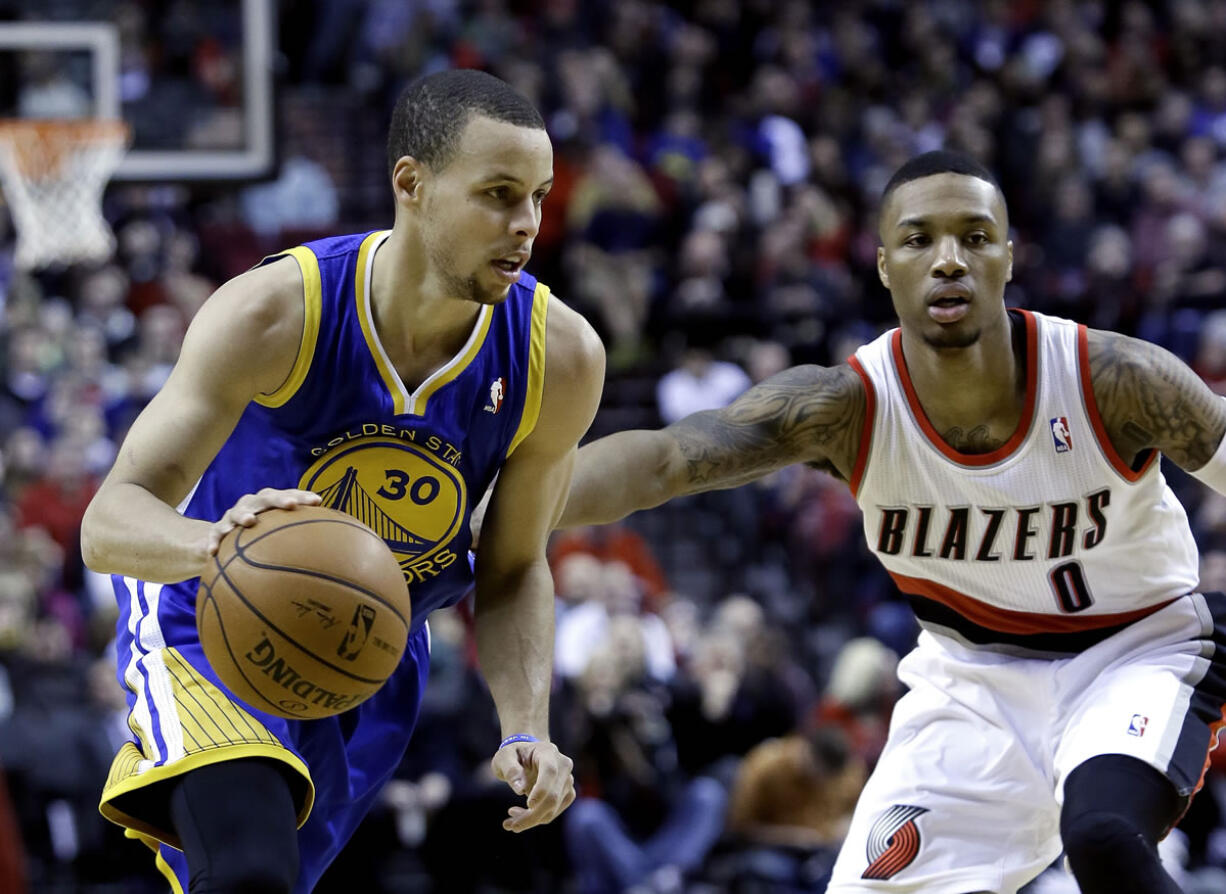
498,388
1136,726
1060,434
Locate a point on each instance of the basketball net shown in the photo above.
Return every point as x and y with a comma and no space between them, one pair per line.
53,174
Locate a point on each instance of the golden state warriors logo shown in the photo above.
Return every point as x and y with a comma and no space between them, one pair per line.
411,498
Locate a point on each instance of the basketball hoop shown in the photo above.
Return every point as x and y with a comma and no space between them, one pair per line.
53,173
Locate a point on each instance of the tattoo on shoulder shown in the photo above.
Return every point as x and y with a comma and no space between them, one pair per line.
805,414
1149,399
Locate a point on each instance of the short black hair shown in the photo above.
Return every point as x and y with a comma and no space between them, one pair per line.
433,111
939,161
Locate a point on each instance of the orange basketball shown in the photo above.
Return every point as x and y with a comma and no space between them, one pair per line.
305,614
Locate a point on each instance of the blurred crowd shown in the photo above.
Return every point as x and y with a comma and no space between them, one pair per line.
725,665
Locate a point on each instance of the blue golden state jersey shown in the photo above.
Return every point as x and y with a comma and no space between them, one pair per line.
409,464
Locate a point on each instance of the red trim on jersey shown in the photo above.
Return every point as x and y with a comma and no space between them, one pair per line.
866,430
1214,728
1096,419
1023,424
1005,620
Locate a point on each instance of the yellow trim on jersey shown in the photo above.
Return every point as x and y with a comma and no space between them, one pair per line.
212,729
312,304
536,367
163,867
457,365
159,861
366,318
129,759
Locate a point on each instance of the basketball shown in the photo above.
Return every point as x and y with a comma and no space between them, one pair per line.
305,614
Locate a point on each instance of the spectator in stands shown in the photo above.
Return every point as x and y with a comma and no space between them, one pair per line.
859,698
789,810
699,382
587,626
639,819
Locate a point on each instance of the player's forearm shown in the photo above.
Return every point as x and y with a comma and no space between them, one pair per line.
127,530
514,632
618,475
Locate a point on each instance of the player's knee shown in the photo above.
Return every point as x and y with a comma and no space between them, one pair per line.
266,878
250,870
1099,844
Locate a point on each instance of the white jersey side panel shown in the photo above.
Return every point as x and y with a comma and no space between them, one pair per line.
1052,533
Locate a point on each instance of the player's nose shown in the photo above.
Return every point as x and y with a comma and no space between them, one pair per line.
526,219
949,260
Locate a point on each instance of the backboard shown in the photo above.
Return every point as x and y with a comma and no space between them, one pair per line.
193,83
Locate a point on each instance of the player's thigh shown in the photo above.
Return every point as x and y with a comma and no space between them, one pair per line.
1155,692
961,799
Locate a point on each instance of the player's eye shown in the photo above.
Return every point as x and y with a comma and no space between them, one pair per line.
977,238
498,193
918,240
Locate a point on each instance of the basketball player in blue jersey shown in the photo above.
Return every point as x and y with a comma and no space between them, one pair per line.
391,375
1069,681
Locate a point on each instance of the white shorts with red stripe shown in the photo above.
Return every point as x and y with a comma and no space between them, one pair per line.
966,796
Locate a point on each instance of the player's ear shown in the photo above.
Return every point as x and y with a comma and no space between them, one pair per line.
407,177
881,271
1009,272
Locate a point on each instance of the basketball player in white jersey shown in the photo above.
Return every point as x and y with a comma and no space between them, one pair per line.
1069,681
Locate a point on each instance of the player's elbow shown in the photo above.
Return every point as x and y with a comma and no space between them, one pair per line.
93,549
91,554
669,475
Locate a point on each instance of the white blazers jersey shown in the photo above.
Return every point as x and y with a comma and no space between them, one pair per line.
1047,545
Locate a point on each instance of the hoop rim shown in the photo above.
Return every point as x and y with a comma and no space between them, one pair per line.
78,129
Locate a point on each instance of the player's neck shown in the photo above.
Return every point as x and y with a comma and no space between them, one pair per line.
420,324
983,384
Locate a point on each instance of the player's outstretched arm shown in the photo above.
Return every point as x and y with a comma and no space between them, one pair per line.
807,414
514,605
1149,399
243,342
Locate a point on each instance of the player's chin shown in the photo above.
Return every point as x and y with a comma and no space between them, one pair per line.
952,336
491,292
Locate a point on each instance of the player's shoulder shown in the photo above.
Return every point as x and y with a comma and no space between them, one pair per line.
840,377
262,297
1113,355
254,320
811,391
572,347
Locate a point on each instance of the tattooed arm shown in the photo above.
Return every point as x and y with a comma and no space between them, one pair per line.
1148,398
805,414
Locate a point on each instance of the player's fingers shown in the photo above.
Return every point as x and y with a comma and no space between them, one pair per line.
548,784
545,802
513,815
216,533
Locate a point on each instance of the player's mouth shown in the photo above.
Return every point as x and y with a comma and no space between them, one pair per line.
509,268
949,303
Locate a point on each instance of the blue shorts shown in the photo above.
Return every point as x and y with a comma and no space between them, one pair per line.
182,717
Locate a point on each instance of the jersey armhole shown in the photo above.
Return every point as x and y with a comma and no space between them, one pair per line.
1096,420
312,296
536,367
866,428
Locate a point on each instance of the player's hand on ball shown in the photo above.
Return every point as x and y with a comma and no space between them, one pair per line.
242,514
542,773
